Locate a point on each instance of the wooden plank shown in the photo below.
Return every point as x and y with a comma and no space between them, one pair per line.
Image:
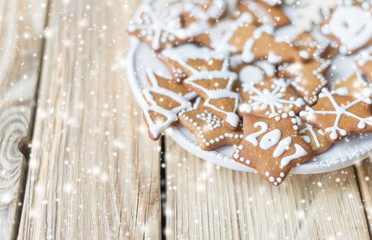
94,172
21,28
208,202
364,173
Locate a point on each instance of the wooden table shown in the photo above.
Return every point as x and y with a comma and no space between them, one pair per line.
93,173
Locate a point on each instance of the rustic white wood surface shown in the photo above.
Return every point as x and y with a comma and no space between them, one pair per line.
93,171
94,174
208,202
21,29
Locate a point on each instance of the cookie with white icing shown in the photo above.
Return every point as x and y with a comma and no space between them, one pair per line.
354,85
185,60
364,61
339,116
264,13
266,96
170,84
308,77
272,147
350,25
315,138
208,128
161,29
216,88
162,107
255,43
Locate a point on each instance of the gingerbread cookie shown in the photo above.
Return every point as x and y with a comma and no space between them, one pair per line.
315,138
161,29
350,25
208,11
255,43
364,61
266,96
354,85
272,146
170,84
162,107
264,13
185,60
208,128
308,77
216,88
339,116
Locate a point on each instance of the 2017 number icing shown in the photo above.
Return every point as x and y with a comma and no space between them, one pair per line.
271,139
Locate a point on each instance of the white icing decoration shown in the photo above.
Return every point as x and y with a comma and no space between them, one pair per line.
335,130
249,76
282,146
269,69
270,139
300,152
252,138
310,128
304,54
273,58
271,99
247,55
353,31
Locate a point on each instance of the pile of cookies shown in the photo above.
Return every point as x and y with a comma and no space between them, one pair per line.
234,83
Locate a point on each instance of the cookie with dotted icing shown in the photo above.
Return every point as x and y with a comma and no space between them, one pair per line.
164,28
170,84
339,116
255,43
208,128
272,147
350,24
364,61
266,96
216,88
264,13
162,107
354,85
315,138
185,60
308,77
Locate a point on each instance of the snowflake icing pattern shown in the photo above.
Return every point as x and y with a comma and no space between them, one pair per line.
339,111
273,98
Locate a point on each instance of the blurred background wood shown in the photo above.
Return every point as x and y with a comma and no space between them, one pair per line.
93,171
21,31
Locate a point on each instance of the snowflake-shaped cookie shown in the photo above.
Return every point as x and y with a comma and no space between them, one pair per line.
266,96
339,116
208,128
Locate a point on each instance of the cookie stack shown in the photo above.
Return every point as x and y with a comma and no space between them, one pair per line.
234,83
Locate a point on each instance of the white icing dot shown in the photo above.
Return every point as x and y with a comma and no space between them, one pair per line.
236,156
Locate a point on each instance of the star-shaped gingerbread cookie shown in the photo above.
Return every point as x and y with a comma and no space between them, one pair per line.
272,147
308,76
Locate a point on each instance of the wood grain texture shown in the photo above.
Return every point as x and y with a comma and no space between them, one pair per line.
21,28
364,173
93,171
208,202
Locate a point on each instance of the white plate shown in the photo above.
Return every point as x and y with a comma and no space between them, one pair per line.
342,154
